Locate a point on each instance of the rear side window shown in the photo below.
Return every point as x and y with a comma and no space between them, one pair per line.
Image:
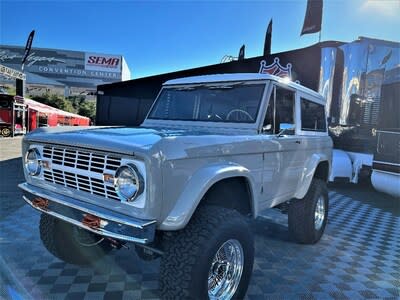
312,116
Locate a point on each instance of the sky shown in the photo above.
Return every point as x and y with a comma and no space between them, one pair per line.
164,36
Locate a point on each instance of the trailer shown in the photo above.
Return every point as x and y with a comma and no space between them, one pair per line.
20,115
386,161
42,115
350,76
13,113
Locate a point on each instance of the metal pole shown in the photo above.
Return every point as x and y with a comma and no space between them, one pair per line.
13,119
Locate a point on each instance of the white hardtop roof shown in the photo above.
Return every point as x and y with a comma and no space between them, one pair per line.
238,77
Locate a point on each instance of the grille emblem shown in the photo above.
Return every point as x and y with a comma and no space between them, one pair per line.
46,164
108,178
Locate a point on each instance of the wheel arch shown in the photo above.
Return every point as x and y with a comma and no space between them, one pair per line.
204,183
240,195
322,171
318,166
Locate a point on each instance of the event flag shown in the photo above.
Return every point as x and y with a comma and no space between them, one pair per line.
28,47
313,17
268,38
241,53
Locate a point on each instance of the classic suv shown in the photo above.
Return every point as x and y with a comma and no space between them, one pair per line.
212,152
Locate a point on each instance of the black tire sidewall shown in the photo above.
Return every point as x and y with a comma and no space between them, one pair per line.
319,191
69,245
228,231
302,214
65,246
188,253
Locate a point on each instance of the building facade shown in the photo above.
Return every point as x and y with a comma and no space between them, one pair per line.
63,72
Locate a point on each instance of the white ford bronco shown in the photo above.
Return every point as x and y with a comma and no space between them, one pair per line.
213,152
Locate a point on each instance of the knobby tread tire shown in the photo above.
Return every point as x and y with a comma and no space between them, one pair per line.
56,236
301,214
47,231
183,250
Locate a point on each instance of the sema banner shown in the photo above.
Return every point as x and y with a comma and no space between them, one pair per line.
102,62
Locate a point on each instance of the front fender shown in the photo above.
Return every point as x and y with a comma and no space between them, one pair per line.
308,173
197,187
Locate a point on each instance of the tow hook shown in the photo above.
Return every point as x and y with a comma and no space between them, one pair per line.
96,223
91,221
40,203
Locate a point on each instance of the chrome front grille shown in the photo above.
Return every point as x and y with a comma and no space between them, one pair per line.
81,170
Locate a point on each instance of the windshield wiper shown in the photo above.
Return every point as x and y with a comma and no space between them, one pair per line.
184,89
188,87
221,86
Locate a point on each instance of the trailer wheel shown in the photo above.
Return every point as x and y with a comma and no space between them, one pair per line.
5,132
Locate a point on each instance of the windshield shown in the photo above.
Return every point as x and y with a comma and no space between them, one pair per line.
235,102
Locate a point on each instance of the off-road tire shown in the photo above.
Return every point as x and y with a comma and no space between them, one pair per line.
58,238
188,253
301,214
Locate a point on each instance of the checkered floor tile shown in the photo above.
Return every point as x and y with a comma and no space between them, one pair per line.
357,258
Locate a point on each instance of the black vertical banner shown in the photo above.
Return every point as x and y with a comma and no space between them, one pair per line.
268,38
313,17
241,52
28,47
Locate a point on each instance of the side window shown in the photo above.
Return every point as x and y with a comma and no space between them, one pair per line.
268,125
312,116
284,115
280,112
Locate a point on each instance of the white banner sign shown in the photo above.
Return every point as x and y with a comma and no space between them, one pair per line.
102,62
8,72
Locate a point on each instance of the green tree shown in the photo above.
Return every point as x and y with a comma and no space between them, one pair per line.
88,109
74,104
76,101
56,101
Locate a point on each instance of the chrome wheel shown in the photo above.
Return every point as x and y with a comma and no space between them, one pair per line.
5,132
226,270
319,215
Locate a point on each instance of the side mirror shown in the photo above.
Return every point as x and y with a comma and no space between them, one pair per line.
286,128
267,127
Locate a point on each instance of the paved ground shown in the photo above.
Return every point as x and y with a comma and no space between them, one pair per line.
357,258
11,173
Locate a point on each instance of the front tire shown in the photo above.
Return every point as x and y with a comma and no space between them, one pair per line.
308,216
71,243
211,258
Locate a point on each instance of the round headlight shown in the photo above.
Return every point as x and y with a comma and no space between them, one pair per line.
128,182
32,162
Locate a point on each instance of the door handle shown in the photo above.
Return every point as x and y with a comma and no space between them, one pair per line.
298,142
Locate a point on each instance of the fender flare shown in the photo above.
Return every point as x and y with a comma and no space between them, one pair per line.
308,173
195,189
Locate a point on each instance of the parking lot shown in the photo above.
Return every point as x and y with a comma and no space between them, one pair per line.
357,258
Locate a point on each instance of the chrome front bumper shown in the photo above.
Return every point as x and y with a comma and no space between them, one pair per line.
90,217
